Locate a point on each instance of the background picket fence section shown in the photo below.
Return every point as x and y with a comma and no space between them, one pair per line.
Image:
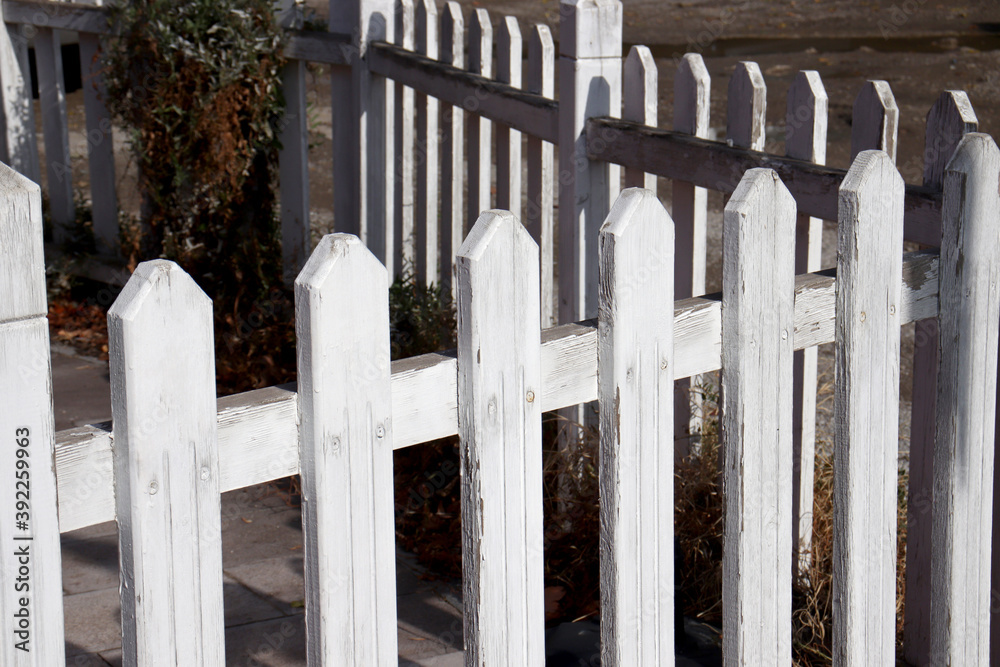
178,447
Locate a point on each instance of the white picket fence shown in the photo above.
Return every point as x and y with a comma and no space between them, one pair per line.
176,447
411,82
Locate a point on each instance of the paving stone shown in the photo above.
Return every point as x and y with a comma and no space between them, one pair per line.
93,621
243,605
89,564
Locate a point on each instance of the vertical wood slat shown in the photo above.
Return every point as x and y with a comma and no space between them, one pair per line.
26,423
166,467
758,318
100,148
499,348
949,119
692,90
342,328
452,144
590,71
966,407
402,214
293,172
18,142
746,108
363,130
426,216
509,51
805,139
55,129
635,375
639,104
540,213
480,155
866,409
875,120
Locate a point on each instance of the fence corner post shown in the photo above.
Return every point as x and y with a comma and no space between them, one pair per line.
27,429
590,81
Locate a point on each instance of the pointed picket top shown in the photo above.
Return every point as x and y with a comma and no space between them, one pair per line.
453,35
404,24
747,107
22,256
692,92
509,49
640,104
163,405
541,52
481,43
966,406
866,409
331,251
590,28
806,118
490,224
951,118
635,374
426,25
875,120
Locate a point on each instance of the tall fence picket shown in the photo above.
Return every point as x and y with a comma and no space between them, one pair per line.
452,144
345,454
539,215
405,241
949,119
509,54
479,142
426,216
166,463
966,406
499,392
866,408
692,91
805,139
55,129
758,308
30,563
875,120
746,109
639,90
635,375
293,172
100,147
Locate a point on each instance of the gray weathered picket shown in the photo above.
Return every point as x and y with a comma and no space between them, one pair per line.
480,141
509,48
539,214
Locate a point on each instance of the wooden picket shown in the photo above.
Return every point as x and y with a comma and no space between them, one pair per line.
426,212
479,129
758,311
55,129
499,387
166,463
404,233
635,371
539,217
452,142
805,139
509,48
869,269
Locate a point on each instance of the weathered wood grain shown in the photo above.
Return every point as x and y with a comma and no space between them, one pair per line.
715,165
539,215
746,107
758,314
345,454
403,177
30,562
805,139
966,406
866,409
166,469
499,387
635,375
948,120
